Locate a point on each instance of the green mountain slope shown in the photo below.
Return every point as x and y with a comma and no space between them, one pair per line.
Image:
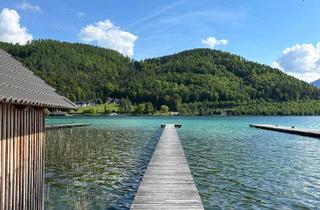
199,81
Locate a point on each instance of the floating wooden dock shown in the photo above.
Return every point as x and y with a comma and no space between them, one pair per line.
168,183
292,130
73,125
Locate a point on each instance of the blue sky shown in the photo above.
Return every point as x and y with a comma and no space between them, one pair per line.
282,33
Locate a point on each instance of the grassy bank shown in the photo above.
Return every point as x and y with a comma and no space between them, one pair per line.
106,109
311,107
98,109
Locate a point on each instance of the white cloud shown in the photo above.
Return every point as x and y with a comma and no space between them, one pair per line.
211,42
301,61
81,15
10,29
107,35
28,6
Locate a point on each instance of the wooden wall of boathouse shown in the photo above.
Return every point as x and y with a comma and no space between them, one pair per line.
21,157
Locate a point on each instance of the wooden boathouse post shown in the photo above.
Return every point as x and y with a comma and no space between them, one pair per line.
23,99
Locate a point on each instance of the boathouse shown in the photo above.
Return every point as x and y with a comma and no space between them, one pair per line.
23,100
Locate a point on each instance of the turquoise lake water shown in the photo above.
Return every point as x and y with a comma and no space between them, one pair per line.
234,166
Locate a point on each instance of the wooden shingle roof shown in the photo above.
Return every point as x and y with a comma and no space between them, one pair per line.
19,85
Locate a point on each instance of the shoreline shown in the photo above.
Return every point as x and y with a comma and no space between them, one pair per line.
155,115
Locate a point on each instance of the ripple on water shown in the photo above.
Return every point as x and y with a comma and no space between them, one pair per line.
95,168
234,166
256,171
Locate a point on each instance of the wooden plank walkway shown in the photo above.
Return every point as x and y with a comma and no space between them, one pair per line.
73,125
168,183
291,130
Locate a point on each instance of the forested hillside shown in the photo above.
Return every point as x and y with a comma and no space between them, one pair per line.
199,81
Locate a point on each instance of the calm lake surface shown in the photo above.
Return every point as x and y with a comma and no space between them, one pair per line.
234,166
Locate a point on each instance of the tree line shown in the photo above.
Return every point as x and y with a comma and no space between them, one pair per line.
198,81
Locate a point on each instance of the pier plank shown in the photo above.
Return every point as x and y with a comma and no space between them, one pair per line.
168,183
285,129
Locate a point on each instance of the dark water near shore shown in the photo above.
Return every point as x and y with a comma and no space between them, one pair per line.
234,166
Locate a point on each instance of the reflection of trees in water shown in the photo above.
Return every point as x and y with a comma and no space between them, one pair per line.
86,167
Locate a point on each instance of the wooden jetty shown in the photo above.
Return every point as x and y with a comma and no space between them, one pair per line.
73,125
285,129
168,183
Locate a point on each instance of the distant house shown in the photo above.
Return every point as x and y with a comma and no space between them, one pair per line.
110,100
174,113
81,103
84,103
116,101
23,99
